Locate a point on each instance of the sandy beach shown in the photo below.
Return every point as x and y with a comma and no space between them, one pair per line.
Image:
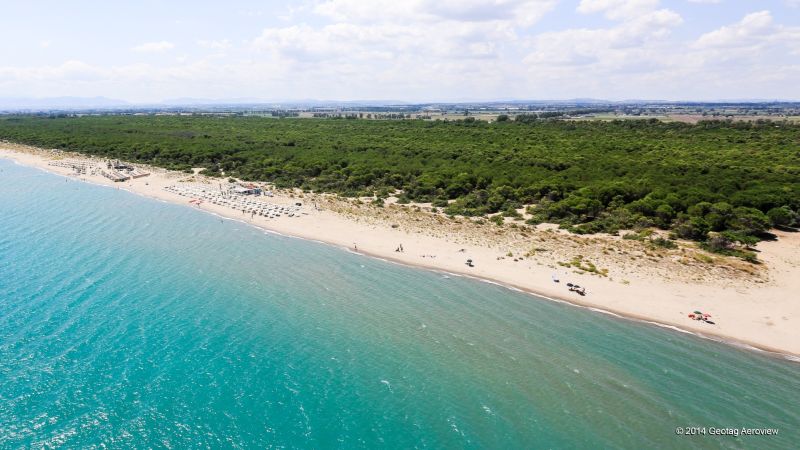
752,305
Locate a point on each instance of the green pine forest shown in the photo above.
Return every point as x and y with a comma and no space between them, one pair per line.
724,184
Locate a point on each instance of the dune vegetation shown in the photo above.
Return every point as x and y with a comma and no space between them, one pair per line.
720,183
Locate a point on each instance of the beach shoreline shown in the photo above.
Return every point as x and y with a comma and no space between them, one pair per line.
738,304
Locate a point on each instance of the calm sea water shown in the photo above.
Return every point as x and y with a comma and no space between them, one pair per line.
127,322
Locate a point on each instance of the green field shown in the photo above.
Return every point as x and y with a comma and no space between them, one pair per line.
589,176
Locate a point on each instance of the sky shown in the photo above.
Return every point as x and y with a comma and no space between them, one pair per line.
406,50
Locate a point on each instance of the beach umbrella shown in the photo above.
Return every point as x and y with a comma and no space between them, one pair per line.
698,312
569,284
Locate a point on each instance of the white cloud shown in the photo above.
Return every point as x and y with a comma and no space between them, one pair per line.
420,32
756,36
361,11
447,50
743,59
618,9
389,49
223,44
519,12
68,70
743,32
213,79
366,42
154,47
630,43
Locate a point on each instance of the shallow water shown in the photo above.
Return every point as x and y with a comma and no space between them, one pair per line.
128,322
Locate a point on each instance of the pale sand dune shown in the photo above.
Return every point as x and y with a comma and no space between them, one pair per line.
755,305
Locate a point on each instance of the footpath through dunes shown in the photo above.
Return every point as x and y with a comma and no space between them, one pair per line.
127,322
750,304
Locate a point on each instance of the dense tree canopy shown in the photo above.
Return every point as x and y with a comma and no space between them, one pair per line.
590,176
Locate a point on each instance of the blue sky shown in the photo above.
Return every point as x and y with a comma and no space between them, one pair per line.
414,50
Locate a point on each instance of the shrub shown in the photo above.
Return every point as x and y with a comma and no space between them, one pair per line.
781,217
663,243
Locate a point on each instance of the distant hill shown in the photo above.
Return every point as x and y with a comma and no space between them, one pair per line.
46,104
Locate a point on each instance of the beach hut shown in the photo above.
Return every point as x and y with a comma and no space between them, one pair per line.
249,190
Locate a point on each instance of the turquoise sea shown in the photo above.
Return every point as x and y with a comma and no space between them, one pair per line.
126,322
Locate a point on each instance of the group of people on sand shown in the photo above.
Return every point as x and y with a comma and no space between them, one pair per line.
572,287
400,249
577,289
701,316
